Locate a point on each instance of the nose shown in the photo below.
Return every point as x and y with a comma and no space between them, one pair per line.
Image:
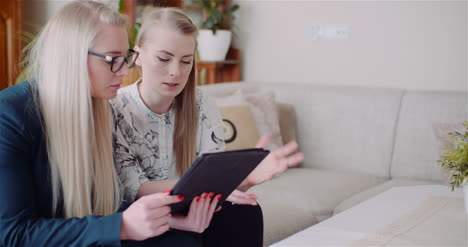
174,69
124,71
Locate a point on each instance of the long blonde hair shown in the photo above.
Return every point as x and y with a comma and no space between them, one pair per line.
78,128
186,114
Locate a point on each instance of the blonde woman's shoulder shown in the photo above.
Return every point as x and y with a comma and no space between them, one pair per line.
124,95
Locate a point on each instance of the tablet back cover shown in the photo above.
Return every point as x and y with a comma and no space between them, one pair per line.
220,173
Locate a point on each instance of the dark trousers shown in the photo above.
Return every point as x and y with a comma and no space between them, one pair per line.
234,225
169,239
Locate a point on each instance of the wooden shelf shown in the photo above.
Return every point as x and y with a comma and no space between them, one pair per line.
220,71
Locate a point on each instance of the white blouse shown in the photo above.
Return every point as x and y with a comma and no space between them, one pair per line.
143,140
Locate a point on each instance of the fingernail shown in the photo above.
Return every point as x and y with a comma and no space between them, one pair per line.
197,198
211,195
205,195
218,197
180,198
167,192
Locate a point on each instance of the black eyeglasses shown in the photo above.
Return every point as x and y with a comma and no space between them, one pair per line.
118,62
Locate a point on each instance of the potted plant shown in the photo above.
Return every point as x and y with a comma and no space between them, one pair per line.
214,38
455,160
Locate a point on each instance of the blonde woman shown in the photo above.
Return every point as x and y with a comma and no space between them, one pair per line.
163,122
58,185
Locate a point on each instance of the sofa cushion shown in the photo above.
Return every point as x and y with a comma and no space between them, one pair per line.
367,194
300,196
281,221
264,109
240,131
416,148
345,129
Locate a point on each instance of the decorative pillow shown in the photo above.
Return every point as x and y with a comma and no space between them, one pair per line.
236,98
441,132
239,127
266,114
264,109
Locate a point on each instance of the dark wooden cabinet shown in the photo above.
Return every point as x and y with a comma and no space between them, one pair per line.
11,23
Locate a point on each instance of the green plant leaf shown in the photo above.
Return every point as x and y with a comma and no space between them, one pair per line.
217,16
455,160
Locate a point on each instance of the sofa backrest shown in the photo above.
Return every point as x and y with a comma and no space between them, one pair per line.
416,148
339,128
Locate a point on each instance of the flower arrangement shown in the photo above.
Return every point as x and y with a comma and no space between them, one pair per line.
455,159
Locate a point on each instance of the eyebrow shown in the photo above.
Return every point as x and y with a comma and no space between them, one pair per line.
168,53
114,52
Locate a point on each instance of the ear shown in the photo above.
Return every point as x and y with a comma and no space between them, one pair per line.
138,61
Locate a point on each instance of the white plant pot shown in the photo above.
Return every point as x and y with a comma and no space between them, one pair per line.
213,47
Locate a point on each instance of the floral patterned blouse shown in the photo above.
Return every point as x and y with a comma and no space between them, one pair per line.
143,140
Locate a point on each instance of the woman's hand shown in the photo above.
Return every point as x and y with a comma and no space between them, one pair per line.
242,198
275,163
199,216
147,217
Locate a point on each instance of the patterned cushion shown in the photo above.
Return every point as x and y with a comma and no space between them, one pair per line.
239,127
264,109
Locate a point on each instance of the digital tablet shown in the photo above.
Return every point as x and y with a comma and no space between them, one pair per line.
220,173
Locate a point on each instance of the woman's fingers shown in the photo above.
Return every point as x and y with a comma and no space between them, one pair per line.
147,217
212,208
286,150
295,159
156,224
161,229
159,199
200,214
205,213
156,213
243,201
263,141
239,197
196,217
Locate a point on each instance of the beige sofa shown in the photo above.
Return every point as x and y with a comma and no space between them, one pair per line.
357,142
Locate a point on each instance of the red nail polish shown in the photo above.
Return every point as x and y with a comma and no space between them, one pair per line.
211,195
167,192
205,195
197,198
218,197
181,198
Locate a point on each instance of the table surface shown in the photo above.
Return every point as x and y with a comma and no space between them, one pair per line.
400,216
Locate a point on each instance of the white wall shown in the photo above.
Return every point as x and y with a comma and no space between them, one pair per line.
393,44
418,45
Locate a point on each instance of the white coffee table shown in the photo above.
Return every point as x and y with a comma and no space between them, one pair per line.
426,215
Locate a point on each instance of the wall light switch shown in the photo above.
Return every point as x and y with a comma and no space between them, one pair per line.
330,31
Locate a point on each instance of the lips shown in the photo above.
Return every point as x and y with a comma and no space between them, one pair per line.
172,84
117,85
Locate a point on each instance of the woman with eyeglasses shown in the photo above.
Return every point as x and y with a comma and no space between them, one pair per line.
163,122
58,184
